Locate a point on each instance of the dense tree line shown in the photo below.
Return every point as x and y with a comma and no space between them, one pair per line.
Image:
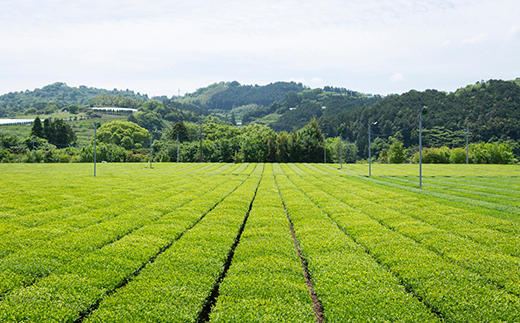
127,142
56,132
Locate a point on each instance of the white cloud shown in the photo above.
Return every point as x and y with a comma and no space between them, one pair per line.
396,77
475,39
446,42
348,43
316,81
297,80
515,31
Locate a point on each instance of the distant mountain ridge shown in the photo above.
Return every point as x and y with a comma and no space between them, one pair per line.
226,96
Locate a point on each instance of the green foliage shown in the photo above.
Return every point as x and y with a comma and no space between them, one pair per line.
56,132
213,131
149,120
348,150
111,100
310,140
492,153
257,143
122,133
63,134
436,155
481,153
73,108
37,128
458,156
396,153
104,152
492,110
179,131
187,272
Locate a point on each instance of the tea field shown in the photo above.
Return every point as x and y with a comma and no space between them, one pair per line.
259,243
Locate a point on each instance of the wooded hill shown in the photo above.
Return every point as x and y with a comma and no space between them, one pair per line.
59,95
281,105
491,110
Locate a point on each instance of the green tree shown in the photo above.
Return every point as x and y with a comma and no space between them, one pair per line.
257,143
150,120
233,120
179,131
282,147
127,143
396,153
73,108
349,151
63,134
311,140
37,128
292,99
114,133
458,156
48,130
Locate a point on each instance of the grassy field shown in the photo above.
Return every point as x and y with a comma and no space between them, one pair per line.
259,243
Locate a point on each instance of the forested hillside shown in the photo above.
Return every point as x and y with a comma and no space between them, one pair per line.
58,95
229,95
490,109
298,109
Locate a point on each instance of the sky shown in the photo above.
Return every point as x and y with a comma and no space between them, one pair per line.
167,47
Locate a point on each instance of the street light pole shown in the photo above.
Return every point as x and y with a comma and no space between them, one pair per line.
340,151
95,145
151,153
467,145
201,135
324,142
423,110
324,149
370,125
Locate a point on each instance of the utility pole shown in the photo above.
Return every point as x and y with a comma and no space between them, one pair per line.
324,149
33,148
151,152
423,110
467,144
177,147
201,135
340,150
370,125
95,145
324,142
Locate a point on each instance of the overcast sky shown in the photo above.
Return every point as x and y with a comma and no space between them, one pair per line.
165,46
